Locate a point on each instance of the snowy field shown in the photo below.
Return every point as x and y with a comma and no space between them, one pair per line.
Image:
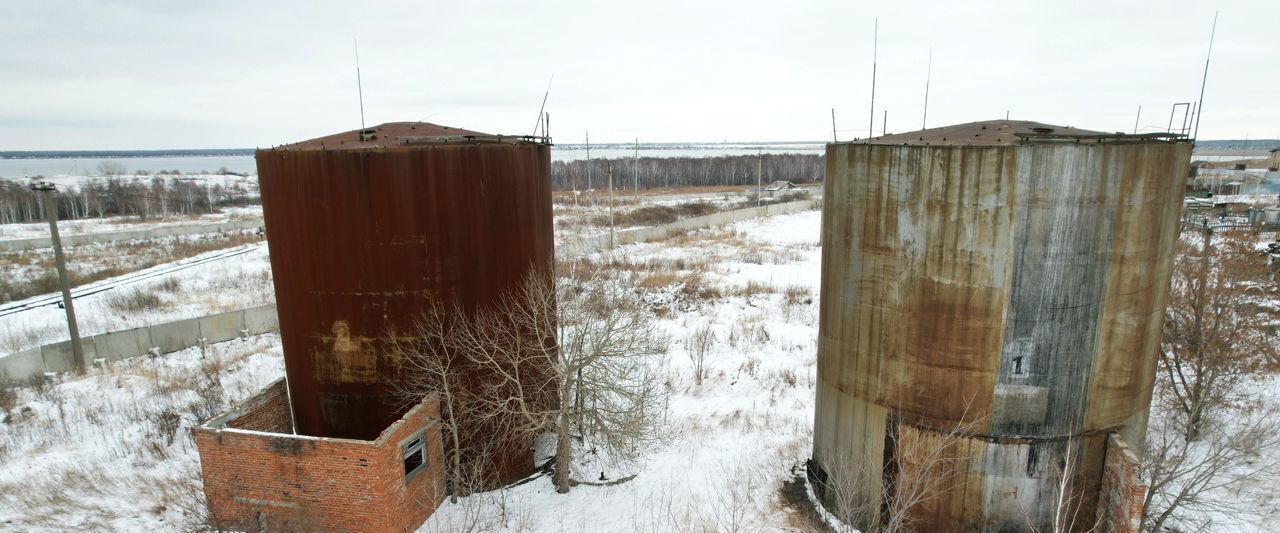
111,450
206,287
108,224
237,282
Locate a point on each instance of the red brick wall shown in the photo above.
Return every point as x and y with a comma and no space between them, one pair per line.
300,483
267,411
1120,504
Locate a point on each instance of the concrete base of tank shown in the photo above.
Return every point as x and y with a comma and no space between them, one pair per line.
948,478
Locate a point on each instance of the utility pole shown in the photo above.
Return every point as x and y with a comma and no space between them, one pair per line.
609,171
759,177
635,171
589,191
51,211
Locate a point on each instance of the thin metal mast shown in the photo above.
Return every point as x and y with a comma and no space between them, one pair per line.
928,75
543,108
1136,119
359,82
834,138
875,53
1203,81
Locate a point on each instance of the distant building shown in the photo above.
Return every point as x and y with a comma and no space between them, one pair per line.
773,189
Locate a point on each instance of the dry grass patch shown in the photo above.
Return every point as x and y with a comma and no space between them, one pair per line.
134,300
89,263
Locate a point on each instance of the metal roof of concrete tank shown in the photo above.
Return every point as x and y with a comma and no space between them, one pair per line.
1006,132
389,135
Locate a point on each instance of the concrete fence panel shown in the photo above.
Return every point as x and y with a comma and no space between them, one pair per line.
59,358
221,327
118,345
175,336
22,366
261,319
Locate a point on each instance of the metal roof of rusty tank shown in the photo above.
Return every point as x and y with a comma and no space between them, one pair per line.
1010,132
397,135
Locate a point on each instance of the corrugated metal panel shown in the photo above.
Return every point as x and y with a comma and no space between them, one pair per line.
1015,287
361,239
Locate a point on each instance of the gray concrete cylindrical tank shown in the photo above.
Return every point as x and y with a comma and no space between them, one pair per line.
1006,279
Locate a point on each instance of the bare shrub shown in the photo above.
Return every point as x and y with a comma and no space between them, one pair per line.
134,301
695,285
793,298
700,342
927,462
734,505
1231,470
170,285
696,209
649,215
796,295
8,394
751,289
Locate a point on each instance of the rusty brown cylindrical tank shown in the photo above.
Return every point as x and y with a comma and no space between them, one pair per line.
366,228
996,289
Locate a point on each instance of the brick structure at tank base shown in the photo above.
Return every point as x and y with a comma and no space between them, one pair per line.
259,476
1123,493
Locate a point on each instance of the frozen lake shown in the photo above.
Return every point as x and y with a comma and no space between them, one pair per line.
23,168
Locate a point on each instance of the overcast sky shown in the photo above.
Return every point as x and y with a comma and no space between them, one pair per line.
212,74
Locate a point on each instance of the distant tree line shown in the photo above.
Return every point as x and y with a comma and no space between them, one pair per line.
146,198
653,172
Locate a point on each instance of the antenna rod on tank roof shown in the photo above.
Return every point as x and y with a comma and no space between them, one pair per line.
359,83
834,138
1203,81
544,106
927,76
875,53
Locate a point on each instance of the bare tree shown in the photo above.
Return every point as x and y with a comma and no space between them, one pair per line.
111,167
1214,333
1210,444
550,358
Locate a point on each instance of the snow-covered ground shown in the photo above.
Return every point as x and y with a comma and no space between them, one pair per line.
736,437
81,453
100,225
236,282
112,451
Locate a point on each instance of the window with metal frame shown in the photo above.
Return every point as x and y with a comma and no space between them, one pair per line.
415,455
